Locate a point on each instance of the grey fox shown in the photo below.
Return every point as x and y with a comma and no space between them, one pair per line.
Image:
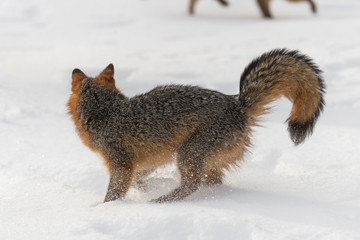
263,4
205,130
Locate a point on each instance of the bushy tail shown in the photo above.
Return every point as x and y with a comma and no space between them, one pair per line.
284,73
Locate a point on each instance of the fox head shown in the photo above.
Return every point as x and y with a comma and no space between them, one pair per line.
105,78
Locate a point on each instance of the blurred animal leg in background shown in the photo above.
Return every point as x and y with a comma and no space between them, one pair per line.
223,2
312,4
264,6
192,5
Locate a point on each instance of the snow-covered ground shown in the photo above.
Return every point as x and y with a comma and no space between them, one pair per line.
52,187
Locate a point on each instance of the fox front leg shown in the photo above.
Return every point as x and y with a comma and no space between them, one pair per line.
120,180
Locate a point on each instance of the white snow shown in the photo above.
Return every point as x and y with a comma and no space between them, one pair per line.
52,187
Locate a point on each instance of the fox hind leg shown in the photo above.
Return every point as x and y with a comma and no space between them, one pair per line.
212,176
194,159
190,182
140,180
191,156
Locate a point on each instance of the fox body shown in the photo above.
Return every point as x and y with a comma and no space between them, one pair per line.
263,4
204,130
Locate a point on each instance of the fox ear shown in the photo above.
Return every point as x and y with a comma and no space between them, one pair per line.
77,74
77,77
108,72
106,77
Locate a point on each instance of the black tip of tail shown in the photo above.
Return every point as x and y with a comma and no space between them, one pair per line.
300,131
